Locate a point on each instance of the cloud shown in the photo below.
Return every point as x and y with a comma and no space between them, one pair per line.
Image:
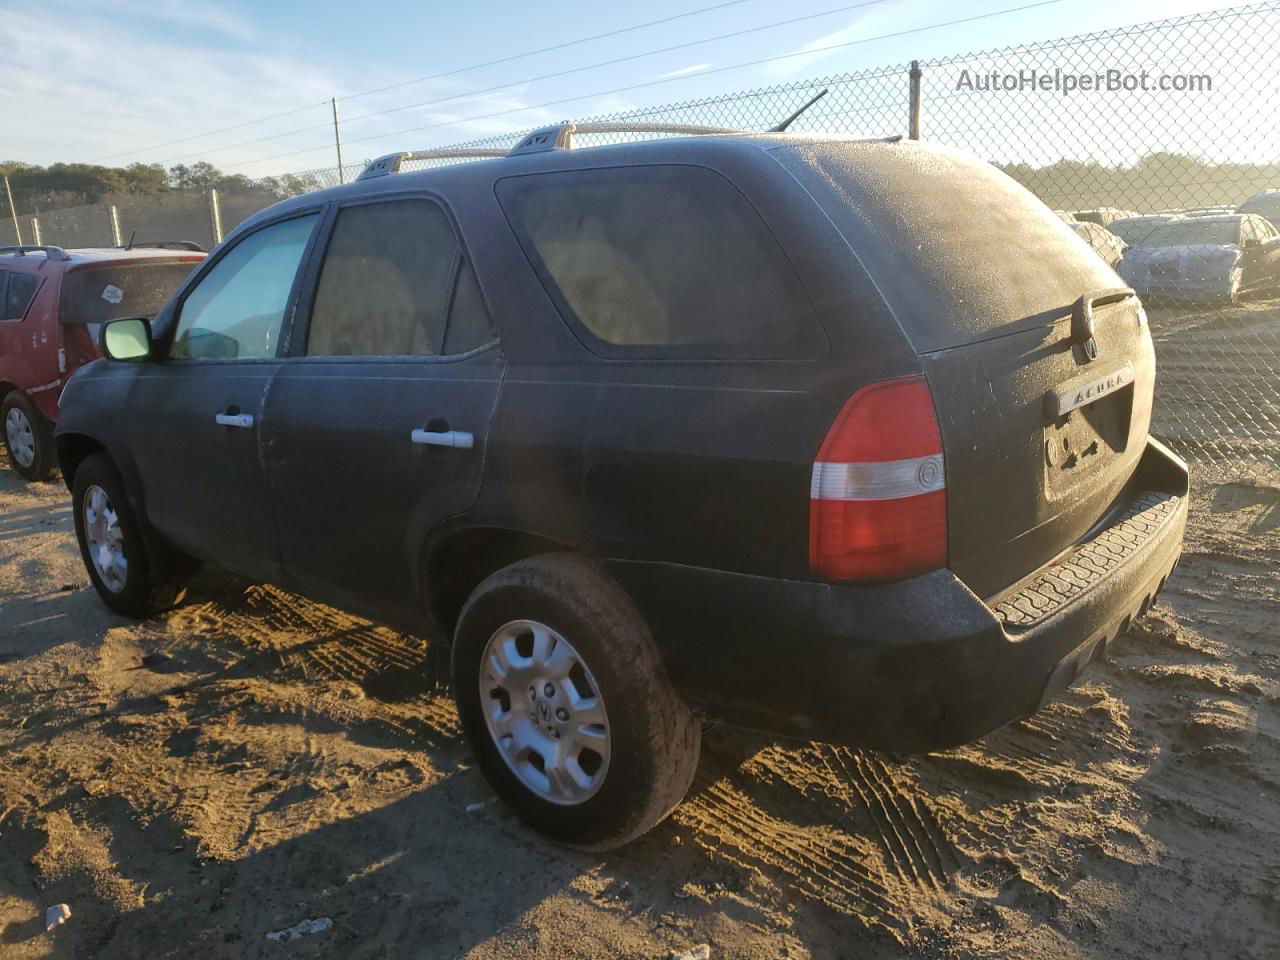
132,74
683,71
870,22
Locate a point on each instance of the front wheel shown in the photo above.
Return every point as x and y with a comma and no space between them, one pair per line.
566,702
28,437
131,576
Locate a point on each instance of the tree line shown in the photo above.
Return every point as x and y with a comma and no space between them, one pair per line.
1156,181
38,189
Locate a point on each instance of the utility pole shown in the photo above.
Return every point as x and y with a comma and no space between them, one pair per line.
337,139
17,231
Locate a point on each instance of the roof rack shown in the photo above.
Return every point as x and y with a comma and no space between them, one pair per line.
50,251
558,137
165,245
392,161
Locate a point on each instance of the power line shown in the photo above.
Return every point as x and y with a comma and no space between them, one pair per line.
545,76
210,133
658,82
435,76
550,49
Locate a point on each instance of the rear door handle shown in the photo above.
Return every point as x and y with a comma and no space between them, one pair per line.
458,439
242,420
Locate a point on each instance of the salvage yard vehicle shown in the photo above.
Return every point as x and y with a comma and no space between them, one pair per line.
1104,243
54,301
744,426
1103,216
1133,230
1205,258
1266,204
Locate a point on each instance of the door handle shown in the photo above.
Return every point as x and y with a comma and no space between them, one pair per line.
242,420
457,439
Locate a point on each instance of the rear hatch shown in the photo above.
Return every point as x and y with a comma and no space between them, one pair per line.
98,291
1040,430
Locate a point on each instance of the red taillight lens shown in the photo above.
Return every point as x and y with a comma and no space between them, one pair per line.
878,499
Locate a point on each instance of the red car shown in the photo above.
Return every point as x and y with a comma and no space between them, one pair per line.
52,303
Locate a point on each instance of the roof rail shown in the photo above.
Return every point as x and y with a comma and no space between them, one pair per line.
50,251
165,245
392,161
560,136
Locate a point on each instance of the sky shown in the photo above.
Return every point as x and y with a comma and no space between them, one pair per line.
119,81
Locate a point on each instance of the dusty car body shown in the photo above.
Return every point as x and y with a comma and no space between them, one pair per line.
1221,257
751,424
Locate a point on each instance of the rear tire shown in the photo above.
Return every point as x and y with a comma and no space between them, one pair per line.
28,437
567,705
133,576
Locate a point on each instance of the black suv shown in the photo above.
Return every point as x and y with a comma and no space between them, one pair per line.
837,439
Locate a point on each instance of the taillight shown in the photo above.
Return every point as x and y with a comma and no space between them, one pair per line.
878,499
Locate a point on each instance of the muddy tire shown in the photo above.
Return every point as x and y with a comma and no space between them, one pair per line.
133,576
28,437
567,705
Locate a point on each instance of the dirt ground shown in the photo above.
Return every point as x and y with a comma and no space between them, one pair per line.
192,783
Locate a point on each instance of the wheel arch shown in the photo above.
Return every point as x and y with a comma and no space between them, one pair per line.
73,449
455,563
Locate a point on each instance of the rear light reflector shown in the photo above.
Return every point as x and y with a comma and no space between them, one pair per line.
877,499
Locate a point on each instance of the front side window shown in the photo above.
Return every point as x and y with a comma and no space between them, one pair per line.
663,261
394,283
236,310
22,290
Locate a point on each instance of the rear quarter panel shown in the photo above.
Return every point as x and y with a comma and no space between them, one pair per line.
700,463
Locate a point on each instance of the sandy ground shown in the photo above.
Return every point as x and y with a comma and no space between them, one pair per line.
189,784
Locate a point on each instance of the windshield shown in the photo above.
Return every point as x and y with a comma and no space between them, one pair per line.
122,290
1193,231
1134,231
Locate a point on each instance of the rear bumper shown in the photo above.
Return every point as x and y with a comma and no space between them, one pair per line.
922,664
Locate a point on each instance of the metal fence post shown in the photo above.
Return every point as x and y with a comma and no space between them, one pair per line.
13,212
215,217
115,227
914,122
35,231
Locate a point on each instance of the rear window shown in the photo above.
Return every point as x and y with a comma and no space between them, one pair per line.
959,251
17,300
99,294
664,262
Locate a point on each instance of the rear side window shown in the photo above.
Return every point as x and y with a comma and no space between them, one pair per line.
394,283
664,262
108,293
22,290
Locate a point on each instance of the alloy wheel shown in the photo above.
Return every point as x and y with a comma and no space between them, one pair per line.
22,439
105,539
545,712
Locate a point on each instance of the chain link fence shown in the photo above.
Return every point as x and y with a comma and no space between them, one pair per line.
1173,121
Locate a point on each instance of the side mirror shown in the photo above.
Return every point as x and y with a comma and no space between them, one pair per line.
128,340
